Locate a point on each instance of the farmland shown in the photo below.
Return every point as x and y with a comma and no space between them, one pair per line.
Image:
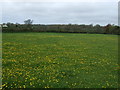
59,60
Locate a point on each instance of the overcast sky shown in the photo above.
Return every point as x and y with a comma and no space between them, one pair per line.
60,12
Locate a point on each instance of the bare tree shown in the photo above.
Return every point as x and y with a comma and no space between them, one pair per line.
28,22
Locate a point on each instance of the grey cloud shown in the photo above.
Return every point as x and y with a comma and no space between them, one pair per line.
64,12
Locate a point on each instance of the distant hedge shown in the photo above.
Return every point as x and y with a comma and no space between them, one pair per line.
69,28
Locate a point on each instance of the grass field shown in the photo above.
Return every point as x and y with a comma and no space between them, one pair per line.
59,60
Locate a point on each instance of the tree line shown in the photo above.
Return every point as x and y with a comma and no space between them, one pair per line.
61,28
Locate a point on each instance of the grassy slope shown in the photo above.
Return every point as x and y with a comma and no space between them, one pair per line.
59,60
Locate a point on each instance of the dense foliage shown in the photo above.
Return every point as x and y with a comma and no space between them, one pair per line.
65,28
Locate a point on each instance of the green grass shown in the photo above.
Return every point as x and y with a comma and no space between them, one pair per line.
60,60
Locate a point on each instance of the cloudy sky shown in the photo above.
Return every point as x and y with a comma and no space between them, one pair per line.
60,11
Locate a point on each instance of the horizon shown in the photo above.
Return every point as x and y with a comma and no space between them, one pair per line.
57,24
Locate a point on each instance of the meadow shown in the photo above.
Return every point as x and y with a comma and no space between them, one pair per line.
59,60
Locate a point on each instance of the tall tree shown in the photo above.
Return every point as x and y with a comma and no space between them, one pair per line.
28,25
